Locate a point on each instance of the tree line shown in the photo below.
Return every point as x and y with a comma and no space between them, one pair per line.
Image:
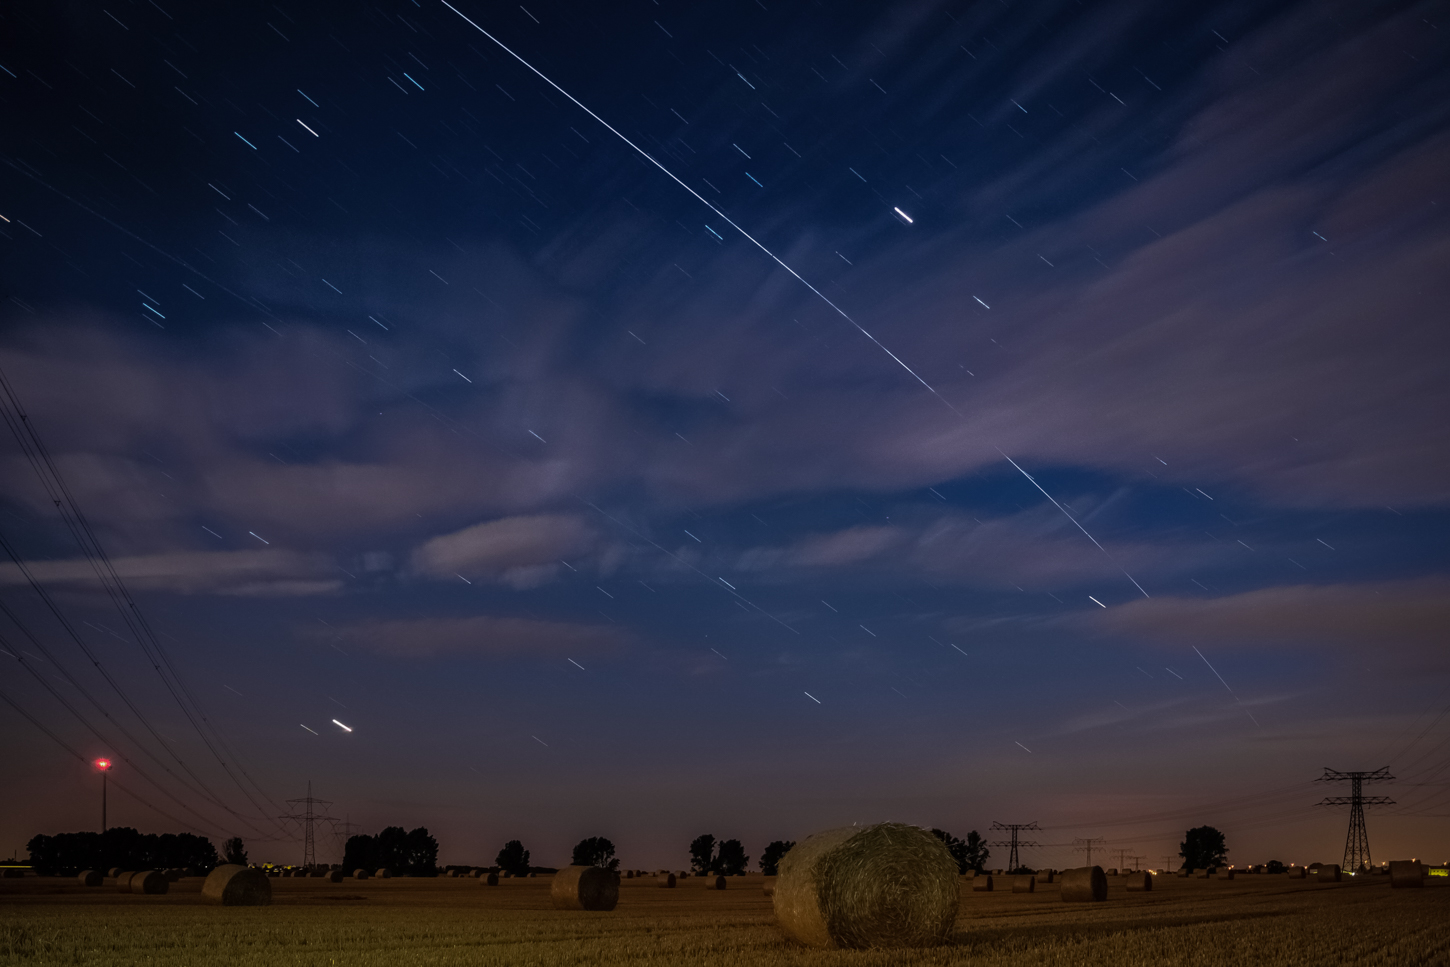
121,846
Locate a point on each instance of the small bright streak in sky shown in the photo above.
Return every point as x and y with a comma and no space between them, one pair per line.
341,726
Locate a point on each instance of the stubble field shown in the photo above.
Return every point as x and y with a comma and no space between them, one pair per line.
1254,921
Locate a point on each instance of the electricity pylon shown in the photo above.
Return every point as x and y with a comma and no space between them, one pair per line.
1087,846
1356,843
307,818
1013,862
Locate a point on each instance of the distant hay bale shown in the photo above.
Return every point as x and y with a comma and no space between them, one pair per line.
1204,874
237,886
982,884
998,872
1406,873
94,878
887,885
453,874
491,879
1044,876
384,874
113,872
1296,872
1140,882
477,873
1329,873
715,882
173,875
336,876
1024,884
360,874
1112,871
1225,874
584,888
150,881
970,874
317,874
123,880
1184,872
665,881
629,874
1086,884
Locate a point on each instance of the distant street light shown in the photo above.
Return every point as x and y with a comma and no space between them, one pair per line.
104,765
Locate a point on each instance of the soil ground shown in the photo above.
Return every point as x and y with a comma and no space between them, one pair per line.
1263,921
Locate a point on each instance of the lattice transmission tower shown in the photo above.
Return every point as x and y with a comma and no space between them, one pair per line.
1013,861
308,818
1356,843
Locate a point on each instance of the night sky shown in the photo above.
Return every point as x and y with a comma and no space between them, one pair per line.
402,391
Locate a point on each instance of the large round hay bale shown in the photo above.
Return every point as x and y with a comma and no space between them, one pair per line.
887,885
491,879
360,874
666,881
982,884
584,888
476,874
715,882
237,886
94,878
123,880
384,874
1086,884
149,881
336,876
113,872
1329,873
1024,884
1140,882
1406,873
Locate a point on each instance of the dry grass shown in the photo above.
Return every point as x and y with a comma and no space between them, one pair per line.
1254,921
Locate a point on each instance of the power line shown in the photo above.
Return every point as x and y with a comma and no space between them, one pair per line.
1356,843
1013,861
1087,845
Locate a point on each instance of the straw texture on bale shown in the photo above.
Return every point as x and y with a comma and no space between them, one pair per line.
91,878
384,874
336,876
1024,884
887,885
1329,874
237,886
1140,882
1044,876
360,874
149,881
714,882
666,881
1406,873
584,888
982,884
476,874
1086,884
490,879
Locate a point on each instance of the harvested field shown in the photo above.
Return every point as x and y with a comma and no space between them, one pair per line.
1261,921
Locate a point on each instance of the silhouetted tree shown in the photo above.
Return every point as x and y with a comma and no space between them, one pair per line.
595,851
360,853
121,846
513,858
412,853
702,854
1274,866
233,851
774,852
1203,847
970,853
731,858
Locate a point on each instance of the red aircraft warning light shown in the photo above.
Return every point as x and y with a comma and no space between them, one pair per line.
103,764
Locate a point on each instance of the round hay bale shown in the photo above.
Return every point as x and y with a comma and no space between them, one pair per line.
1112,871
384,874
336,876
1296,872
1024,884
94,878
1225,874
476,874
150,881
1140,882
998,872
629,874
360,874
1044,876
123,880
533,876
315,874
665,881
584,888
237,886
1204,874
113,872
970,874
1329,873
1183,872
982,884
491,879
1403,873
887,885
714,882
1086,884
173,875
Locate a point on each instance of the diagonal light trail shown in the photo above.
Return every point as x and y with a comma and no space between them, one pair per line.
774,258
